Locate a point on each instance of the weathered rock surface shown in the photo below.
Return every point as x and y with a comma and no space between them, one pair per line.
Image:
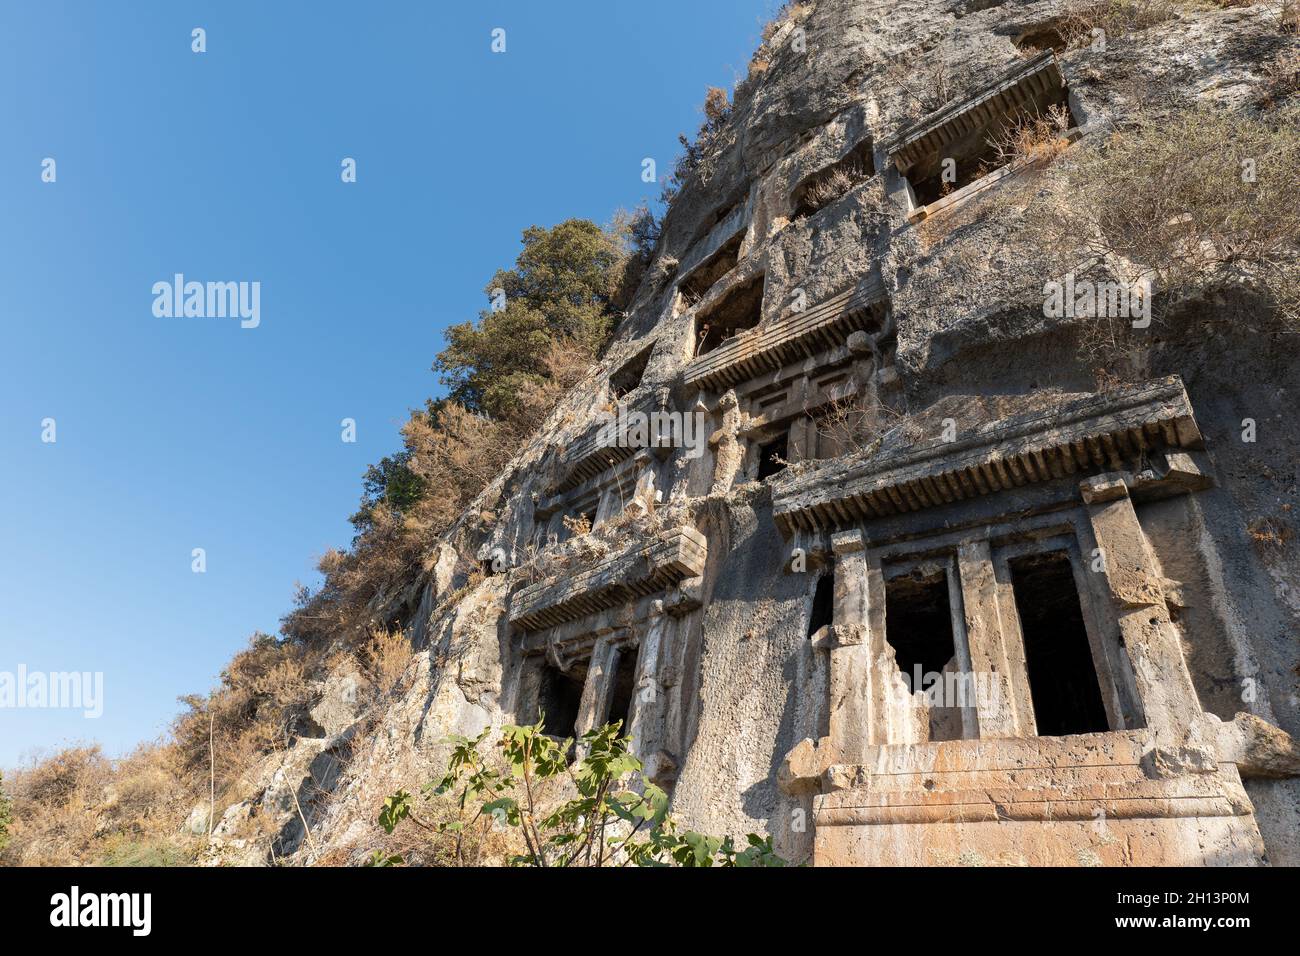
751,612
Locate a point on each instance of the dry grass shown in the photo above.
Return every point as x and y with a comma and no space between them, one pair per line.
1169,197
1116,18
1034,139
264,695
828,186
1269,533
857,425
384,661
577,524
1281,79
78,808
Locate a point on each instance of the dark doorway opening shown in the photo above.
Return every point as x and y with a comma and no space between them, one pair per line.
823,604
624,685
558,700
976,151
772,456
918,626
1062,678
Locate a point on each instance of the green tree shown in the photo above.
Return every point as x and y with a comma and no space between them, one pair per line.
606,824
560,290
391,483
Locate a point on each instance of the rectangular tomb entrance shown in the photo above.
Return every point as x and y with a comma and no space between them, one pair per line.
1087,743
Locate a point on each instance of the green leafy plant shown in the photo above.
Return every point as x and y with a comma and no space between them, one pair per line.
613,818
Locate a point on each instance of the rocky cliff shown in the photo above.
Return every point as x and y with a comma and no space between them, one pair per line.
860,392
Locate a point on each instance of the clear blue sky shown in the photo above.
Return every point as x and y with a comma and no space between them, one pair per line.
174,433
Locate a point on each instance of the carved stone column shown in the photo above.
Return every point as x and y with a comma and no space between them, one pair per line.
649,701
869,700
1134,583
728,456
595,692
997,653
850,723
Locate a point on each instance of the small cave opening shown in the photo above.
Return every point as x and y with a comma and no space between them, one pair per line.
559,697
738,310
622,687
629,375
703,277
823,604
825,186
1044,36
1062,677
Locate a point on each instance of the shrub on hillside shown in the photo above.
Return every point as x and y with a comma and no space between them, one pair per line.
1198,200
560,289
78,808
605,821
4,814
259,706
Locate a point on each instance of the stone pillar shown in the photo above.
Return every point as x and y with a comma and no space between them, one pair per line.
728,455
869,701
1134,584
850,718
997,652
595,692
649,701
803,440
645,484
967,704
609,506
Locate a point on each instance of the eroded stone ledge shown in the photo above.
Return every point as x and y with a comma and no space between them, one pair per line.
644,568
1082,436
599,446
802,334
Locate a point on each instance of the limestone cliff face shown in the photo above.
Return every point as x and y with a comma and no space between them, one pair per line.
811,264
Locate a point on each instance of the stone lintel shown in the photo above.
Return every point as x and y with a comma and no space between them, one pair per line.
598,448
1096,433
1013,88
1110,776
